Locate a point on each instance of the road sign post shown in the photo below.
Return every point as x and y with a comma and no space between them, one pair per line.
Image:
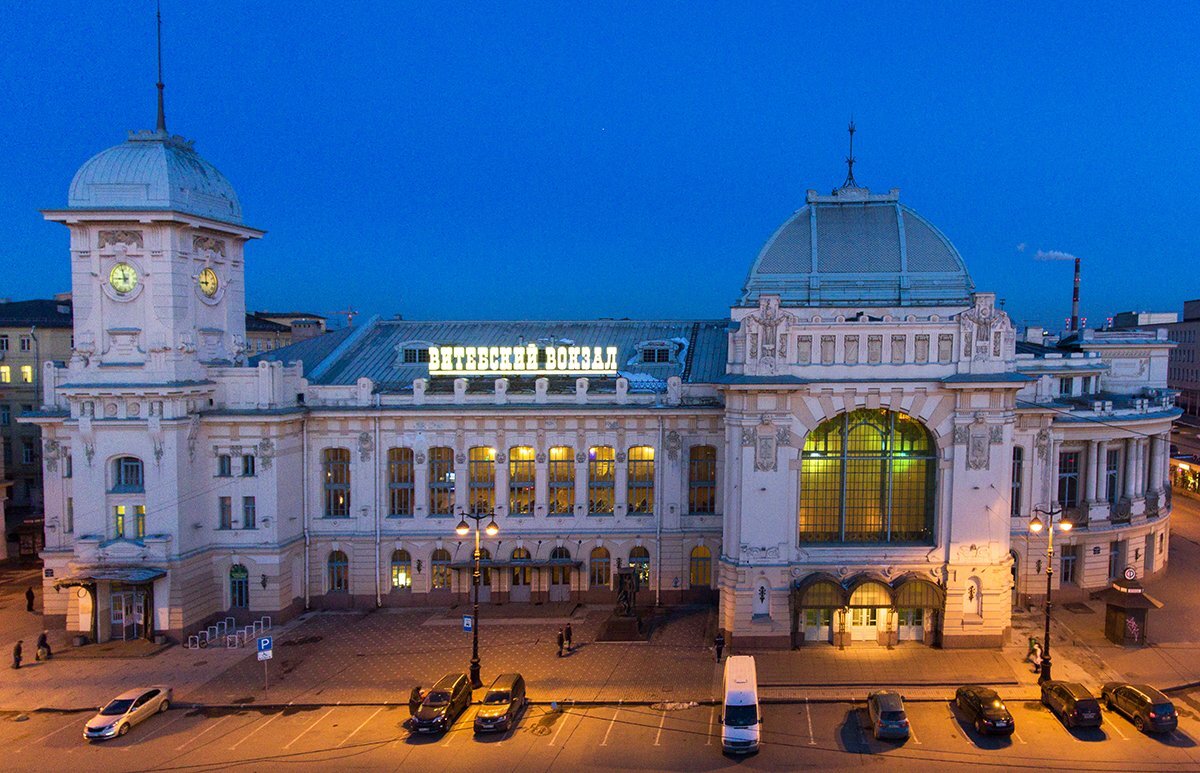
468,623
265,653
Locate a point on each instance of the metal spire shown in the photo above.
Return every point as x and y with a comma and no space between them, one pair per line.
850,183
161,127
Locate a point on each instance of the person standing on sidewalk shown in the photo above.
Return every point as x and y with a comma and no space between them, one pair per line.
43,647
567,635
561,638
719,644
29,599
17,655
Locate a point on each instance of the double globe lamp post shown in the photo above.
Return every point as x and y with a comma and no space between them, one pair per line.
1035,526
462,530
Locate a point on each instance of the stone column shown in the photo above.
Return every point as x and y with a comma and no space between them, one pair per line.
1130,468
1052,463
1139,491
1093,472
1156,463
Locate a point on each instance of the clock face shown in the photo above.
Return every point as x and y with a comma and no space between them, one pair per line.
209,282
123,278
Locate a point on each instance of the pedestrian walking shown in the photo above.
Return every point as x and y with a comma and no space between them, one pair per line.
17,655
561,639
43,647
719,644
29,599
414,700
567,635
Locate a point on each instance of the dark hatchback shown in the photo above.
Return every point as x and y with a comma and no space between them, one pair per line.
1072,703
443,704
1147,708
984,709
502,704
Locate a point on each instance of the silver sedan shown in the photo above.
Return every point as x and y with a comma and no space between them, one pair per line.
126,710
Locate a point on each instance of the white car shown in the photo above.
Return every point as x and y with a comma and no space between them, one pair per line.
126,710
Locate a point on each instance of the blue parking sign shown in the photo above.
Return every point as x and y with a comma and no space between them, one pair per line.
467,622
264,644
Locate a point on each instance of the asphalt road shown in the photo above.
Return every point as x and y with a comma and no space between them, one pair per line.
828,736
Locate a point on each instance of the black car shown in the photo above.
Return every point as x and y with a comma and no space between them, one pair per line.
1072,703
1144,706
983,707
443,704
502,704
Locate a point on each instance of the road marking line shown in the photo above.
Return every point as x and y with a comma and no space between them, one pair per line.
257,727
202,732
360,727
812,741
661,722
611,722
72,723
1117,730
711,716
305,730
163,725
1018,735
966,733
558,730
913,734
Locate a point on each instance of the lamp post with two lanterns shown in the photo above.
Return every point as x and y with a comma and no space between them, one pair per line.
463,529
1035,526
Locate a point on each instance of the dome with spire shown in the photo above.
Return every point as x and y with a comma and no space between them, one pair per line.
157,171
858,249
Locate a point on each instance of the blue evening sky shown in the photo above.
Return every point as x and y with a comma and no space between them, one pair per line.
579,160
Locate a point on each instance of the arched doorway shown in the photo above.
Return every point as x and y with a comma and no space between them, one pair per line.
869,611
919,604
520,589
560,574
239,587
817,600
485,576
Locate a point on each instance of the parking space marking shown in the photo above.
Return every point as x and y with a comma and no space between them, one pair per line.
305,730
954,723
202,732
662,721
257,726
611,722
360,727
562,721
72,723
812,740
913,734
1017,735
164,725
1117,730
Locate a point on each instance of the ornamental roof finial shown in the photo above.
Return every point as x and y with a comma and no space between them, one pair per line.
161,126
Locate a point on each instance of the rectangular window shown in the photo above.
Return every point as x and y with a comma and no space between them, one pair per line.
601,477
224,513
224,466
1114,559
702,480
440,570
27,374
1018,462
249,515
656,354
414,355
139,521
521,480
3,343
1112,475
27,452
119,521
69,516
1068,478
1067,562
640,480
400,482
336,462
561,474
1064,387
129,475
247,465
5,374
441,481
26,343
1087,385
481,479
68,464
5,415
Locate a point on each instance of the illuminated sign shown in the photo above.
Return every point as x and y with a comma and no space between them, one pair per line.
527,360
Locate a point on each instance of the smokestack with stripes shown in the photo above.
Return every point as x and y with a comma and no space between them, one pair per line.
1057,255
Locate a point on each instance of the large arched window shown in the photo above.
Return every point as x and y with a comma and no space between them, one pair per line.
441,481
561,480
600,568
481,474
439,567
560,566
868,476
127,476
639,561
521,478
700,567
401,570
339,572
400,482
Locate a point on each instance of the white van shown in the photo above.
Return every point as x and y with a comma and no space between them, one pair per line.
740,718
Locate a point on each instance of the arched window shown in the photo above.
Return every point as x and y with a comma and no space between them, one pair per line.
439,568
561,477
639,561
560,566
1014,489
336,464
520,569
702,480
339,572
481,472
441,481
640,480
601,476
400,482
521,480
239,587
127,476
700,567
401,570
868,476
599,568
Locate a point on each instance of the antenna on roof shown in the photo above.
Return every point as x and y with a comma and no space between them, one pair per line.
850,183
161,127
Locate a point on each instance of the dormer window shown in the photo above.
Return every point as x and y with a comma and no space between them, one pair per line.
414,355
654,354
127,475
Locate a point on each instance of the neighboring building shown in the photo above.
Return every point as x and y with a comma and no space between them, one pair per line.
1143,319
266,331
32,333
832,458
1183,374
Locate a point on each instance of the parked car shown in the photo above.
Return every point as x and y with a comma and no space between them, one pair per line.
888,718
741,721
443,704
1144,706
502,704
130,708
983,707
1071,703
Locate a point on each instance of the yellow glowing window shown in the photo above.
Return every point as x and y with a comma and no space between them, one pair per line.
27,374
139,520
5,374
119,521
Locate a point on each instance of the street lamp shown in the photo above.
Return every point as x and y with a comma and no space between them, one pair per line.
463,529
1035,526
